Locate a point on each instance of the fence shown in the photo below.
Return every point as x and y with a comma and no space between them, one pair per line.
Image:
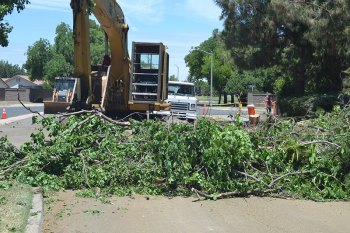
258,99
27,95
2,94
39,95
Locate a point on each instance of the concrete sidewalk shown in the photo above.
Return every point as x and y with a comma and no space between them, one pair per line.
244,116
18,132
18,104
17,118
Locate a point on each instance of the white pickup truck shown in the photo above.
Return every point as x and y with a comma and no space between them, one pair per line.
182,97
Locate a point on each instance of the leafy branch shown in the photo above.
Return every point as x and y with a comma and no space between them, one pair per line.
86,150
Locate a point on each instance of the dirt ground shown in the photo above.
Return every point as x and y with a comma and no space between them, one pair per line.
69,213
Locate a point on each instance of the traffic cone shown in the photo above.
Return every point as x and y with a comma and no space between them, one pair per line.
3,115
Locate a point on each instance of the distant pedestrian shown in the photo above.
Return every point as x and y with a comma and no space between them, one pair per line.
268,104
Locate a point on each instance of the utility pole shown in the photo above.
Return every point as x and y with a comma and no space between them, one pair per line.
177,72
211,76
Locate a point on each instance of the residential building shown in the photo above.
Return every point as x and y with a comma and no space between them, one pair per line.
22,81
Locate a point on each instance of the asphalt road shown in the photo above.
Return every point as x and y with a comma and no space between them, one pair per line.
18,110
217,111
19,131
226,111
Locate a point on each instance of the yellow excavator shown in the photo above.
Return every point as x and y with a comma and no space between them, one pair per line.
119,85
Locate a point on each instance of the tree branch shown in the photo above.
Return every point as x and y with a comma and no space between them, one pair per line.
273,182
320,142
250,176
97,114
10,167
231,194
20,101
85,171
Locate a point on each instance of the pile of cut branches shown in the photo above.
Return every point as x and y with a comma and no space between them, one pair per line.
308,159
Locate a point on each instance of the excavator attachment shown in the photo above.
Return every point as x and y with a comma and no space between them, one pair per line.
63,95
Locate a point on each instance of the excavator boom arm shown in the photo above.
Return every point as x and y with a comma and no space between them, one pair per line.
112,20
117,85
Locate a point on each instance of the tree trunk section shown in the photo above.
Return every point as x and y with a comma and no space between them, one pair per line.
225,98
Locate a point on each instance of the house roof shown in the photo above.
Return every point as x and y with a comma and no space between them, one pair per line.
39,82
3,82
36,82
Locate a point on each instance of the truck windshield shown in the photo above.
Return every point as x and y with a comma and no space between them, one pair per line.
181,89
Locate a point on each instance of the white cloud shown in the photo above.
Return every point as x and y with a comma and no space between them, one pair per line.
149,11
52,5
204,8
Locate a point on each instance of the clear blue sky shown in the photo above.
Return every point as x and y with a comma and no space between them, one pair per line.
178,24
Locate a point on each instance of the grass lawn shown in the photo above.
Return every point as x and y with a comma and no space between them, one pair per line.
15,204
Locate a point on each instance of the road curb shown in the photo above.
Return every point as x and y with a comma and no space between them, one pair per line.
35,220
17,118
4,104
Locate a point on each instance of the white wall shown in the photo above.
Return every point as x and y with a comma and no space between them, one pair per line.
19,82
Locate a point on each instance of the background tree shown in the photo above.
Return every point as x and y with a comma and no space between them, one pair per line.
327,36
64,42
46,61
38,55
8,70
221,73
263,80
306,42
195,59
7,7
202,88
173,78
97,43
199,64
56,67
235,85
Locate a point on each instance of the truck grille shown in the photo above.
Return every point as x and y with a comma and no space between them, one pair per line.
178,106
